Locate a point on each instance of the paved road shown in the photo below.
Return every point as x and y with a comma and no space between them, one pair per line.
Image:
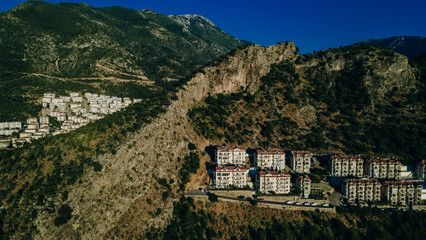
202,193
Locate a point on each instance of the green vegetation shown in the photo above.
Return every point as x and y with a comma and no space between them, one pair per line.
202,221
303,105
190,165
64,214
213,197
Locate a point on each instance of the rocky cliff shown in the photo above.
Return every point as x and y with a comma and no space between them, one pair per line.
113,202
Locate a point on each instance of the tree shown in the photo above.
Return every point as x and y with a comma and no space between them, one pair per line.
213,197
64,215
192,146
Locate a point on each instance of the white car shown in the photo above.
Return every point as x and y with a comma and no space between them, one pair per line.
298,203
289,202
326,205
313,204
306,204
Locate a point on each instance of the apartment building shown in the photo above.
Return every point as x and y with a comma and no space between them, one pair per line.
270,158
5,142
383,169
421,170
304,184
273,181
344,166
227,176
402,192
362,190
300,161
230,155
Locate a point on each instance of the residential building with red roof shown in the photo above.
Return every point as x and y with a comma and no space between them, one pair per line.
383,169
227,176
362,190
230,155
402,192
304,184
273,181
300,161
270,158
344,166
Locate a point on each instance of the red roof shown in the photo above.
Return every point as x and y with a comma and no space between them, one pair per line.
274,174
384,161
304,177
401,183
221,148
301,153
231,168
270,152
346,158
362,182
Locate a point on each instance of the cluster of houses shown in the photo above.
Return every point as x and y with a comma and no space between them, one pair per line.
363,180
72,112
376,180
271,176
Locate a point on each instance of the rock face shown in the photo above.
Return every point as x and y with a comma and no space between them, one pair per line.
113,202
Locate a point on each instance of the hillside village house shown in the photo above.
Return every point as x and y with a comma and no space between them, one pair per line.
227,176
5,142
273,181
344,166
421,170
383,169
402,192
271,158
362,190
304,184
300,161
230,155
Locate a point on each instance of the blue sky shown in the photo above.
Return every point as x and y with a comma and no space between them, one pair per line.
311,24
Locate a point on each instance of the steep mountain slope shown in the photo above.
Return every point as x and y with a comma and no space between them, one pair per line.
358,99
138,182
410,46
58,47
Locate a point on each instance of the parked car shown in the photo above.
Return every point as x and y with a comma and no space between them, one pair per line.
201,189
298,203
289,202
306,204
241,197
313,204
326,204
260,199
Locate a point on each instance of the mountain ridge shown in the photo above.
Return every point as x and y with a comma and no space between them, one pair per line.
411,46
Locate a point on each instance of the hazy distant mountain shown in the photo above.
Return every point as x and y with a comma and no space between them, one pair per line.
410,46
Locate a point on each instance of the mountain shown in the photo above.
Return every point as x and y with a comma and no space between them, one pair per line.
360,99
75,47
121,176
124,176
410,46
